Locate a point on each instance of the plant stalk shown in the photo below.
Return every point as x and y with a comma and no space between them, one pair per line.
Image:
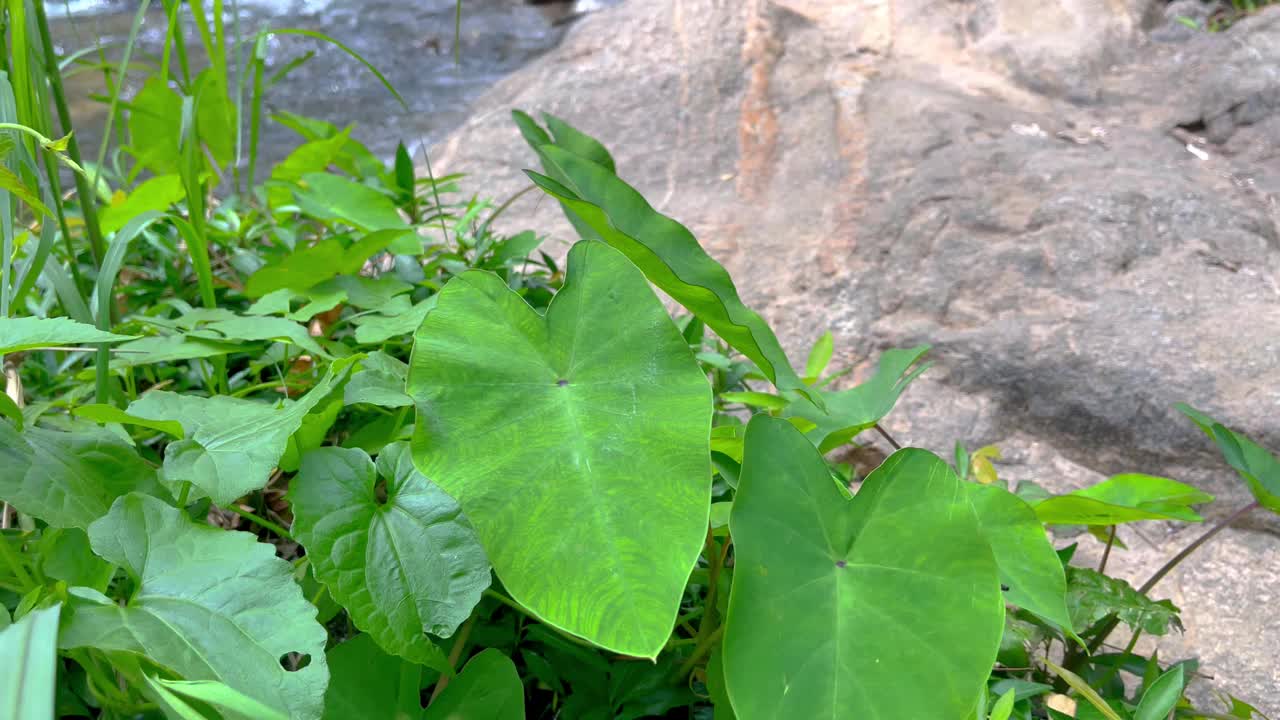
88,201
455,654
1106,553
885,434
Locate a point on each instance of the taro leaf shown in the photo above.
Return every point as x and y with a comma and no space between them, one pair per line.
365,684
307,267
1092,596
849,412
409,565
665,250
488,688
68,479
333,197
379,381
1258,467
30,333
231,445
1028,565
1121,499
29,671
838,605
576,443
209,605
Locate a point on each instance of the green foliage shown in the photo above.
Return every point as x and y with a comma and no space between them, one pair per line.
264,434
29,647
402,566
603,369
829,599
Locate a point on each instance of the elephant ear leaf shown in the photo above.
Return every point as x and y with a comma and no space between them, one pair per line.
896,582
1259,469
577,443
580,174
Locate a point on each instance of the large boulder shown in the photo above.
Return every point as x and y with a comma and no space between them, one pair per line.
1077,202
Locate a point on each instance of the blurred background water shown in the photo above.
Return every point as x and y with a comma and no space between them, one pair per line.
410,41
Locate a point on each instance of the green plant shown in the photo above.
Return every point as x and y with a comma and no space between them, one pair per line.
339,450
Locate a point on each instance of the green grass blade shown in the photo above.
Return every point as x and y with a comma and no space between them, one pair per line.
111,265
321,36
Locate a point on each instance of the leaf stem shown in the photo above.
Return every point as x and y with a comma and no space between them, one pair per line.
455,654
885,434
1106,553
259,520
700,651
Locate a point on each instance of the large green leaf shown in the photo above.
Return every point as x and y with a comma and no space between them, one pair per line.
230,445
576,443
209,605
409,565
366,682
884,606
29,670
154,195
1163,695
68,479
1029,566
849,412
488,688
1122,499
1092,596
664,249
30,333
1259,469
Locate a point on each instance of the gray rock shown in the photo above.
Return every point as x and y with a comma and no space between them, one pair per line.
1085,223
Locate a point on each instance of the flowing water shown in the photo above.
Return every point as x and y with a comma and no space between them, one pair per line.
410,41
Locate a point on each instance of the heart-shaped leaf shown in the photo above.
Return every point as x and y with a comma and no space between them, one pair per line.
1122,499
851,411
1259,469
664,249
409,565
886,605
231,445
69,479
1029,566
488,688
209,605
576,443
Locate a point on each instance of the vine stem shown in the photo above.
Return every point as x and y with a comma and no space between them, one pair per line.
259,520
1174,561
455,654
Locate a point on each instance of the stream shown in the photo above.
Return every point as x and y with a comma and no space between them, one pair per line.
409,41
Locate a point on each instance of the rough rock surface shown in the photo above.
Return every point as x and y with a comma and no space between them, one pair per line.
1077,202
